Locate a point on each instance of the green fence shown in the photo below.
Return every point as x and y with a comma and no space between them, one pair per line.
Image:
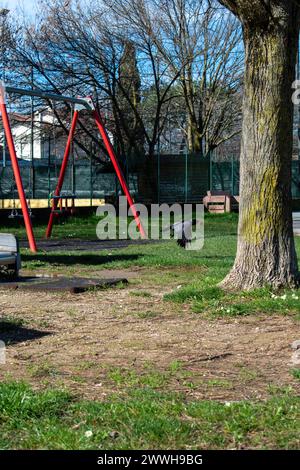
174,178
225,176
164,178
85,179
186,178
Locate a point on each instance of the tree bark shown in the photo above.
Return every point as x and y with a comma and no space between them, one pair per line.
194,136
266,252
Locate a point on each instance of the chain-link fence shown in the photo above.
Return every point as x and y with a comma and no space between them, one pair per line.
84,179
163,178
225,176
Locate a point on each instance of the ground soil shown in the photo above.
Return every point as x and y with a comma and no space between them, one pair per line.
77,340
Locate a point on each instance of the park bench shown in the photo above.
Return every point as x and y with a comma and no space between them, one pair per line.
219,202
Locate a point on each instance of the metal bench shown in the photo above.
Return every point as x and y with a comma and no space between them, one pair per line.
296,223
10,259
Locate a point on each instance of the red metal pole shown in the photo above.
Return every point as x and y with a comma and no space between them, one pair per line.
118,170
16,170
62,173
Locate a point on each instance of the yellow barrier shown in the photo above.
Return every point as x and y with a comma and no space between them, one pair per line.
44,203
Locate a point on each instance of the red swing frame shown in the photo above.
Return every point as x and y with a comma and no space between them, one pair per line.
80,104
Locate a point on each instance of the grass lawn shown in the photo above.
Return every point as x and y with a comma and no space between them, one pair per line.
156,405
215,260
73,227
144,419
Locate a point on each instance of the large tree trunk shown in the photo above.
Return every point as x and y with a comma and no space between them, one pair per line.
266,252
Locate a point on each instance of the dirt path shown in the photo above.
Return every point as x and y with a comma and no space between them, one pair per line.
96,342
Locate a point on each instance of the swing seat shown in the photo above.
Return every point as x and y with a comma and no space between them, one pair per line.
15,215
61,210
58,211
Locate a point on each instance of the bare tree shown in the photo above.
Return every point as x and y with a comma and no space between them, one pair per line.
201,45
266,251
77,49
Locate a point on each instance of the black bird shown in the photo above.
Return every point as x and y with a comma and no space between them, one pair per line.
182,231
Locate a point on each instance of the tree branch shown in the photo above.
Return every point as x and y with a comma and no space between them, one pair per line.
231,5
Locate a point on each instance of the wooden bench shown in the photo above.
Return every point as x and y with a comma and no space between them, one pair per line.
219,202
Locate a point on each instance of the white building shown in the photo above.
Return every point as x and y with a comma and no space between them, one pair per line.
45,138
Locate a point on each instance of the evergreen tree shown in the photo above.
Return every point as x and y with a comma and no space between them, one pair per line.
130,143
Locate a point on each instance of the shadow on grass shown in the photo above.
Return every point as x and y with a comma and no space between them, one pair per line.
12,332
218,257
73,259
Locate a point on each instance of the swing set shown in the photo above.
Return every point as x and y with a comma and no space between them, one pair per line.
80,104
